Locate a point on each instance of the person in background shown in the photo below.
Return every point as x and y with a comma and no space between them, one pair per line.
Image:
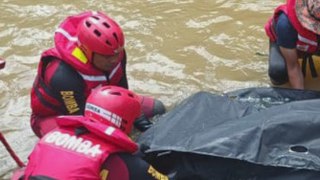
93,146
89,52
294,32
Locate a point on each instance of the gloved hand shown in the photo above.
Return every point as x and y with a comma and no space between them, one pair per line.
142,123
151,107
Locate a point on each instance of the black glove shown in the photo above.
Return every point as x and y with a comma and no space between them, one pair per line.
142,123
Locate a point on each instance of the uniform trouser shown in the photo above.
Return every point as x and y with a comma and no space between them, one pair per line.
277,66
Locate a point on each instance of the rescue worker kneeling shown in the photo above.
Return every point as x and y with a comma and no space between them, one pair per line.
89,52
93,146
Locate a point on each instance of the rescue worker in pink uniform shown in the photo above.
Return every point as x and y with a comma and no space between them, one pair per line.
93,146
89,52
294,32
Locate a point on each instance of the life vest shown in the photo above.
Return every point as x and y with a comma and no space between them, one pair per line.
307,40
61,154
43,100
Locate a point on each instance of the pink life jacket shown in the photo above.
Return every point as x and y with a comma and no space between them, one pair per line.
60,154
307,40
44,102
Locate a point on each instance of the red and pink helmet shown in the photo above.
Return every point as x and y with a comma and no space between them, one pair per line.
113,106
100,34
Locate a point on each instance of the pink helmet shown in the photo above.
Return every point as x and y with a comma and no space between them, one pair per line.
100,34
113,106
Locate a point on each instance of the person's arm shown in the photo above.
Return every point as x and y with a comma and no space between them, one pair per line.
293,67
287,39
68,86
126,166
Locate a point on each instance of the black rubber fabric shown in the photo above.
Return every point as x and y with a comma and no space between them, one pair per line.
255,133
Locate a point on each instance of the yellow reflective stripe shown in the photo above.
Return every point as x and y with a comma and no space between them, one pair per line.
156,174
93,78
78,54
104,174
307,41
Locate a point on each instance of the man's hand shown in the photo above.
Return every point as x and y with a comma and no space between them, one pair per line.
142,123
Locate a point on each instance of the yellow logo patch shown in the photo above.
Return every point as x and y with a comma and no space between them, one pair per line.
156,174
69,101
78,54
104,174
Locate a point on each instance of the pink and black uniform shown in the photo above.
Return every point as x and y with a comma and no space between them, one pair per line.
93,146
83,149
66,76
